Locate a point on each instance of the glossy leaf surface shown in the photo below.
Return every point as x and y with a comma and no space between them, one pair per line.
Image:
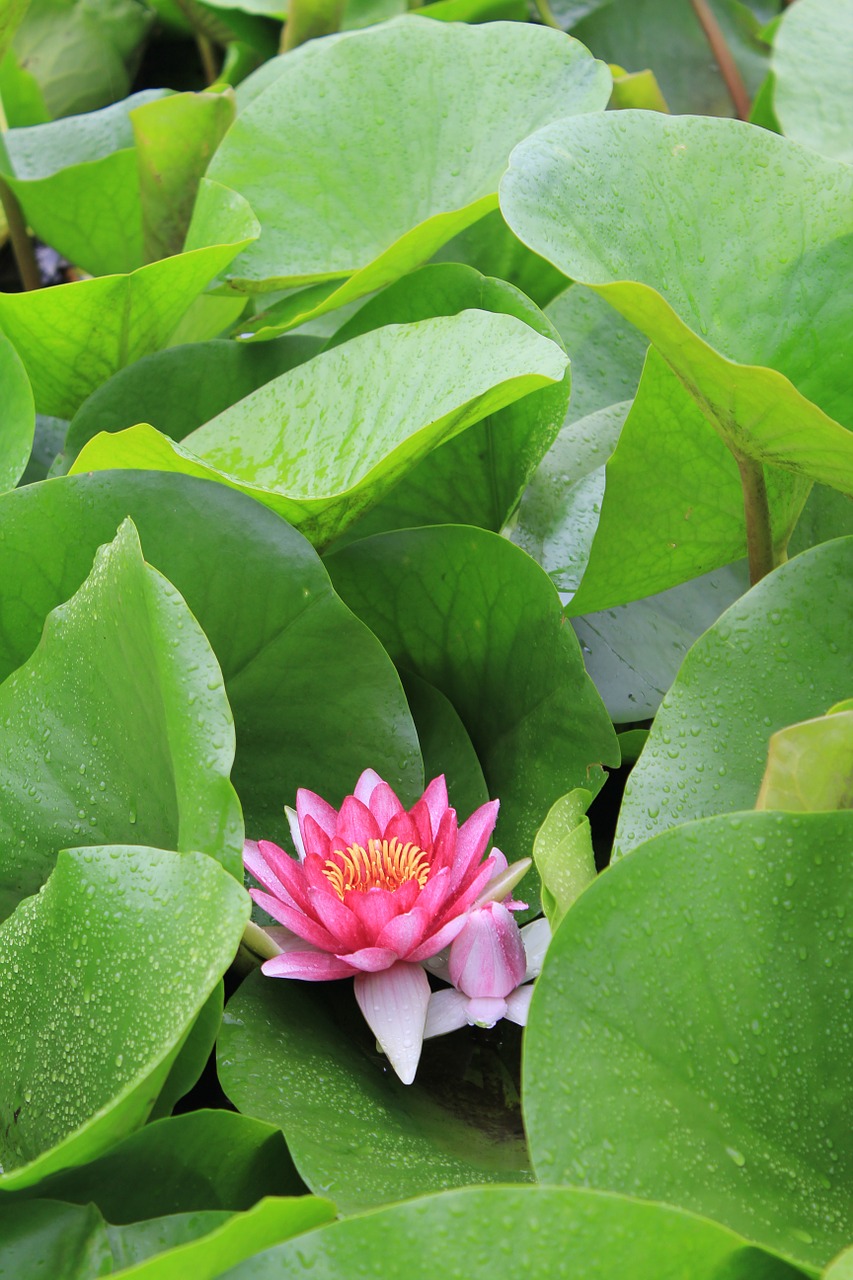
686,1040
96,756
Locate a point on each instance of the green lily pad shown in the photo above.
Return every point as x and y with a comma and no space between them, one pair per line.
193,1055
296,663
95,756
77,183
490,86
478,619
478,476
688,1041
180,389
776,394
812,96
841,1268
19,417
365,1138
11,14
607,353
491,248
560,1232
81,1068
182,1164
72,337
810,766
445,744
58,1239
771,660
429,381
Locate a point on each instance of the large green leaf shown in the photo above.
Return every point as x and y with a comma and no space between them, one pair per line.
130,941
314,695
478,476
771,660
183,1164
19,416
812,94
364,1138
62,1240
11,13
606,352
528,1233
182,388
428,381
331,155
77,183
770,376
73,337
477,618
689,1041
491,248
117,728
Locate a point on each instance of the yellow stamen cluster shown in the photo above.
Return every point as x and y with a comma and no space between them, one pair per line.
384,864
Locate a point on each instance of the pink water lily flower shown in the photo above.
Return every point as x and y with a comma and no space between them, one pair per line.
377,890
491,964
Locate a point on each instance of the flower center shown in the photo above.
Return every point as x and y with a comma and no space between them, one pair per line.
384,864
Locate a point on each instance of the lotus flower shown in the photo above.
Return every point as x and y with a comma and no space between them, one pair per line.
376,891
491,964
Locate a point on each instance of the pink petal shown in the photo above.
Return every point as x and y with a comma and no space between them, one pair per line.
439,940
333,915
256,865
436,801
315,876
473,838
434,893
394,1003
367,783
446,1012
487,959
314,838
297,921
290,873
374,908
470,891
371,959
355,825
403,828
518,1004
420,816
486,1011
384,805
405,932
310,966
444,845
309,804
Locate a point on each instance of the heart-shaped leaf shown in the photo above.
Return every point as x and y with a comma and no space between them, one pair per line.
810,766
689,1041
429,381
337,188
560,1232
296,663
365,1138
477,618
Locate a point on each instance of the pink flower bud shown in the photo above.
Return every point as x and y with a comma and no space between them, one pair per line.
487,958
